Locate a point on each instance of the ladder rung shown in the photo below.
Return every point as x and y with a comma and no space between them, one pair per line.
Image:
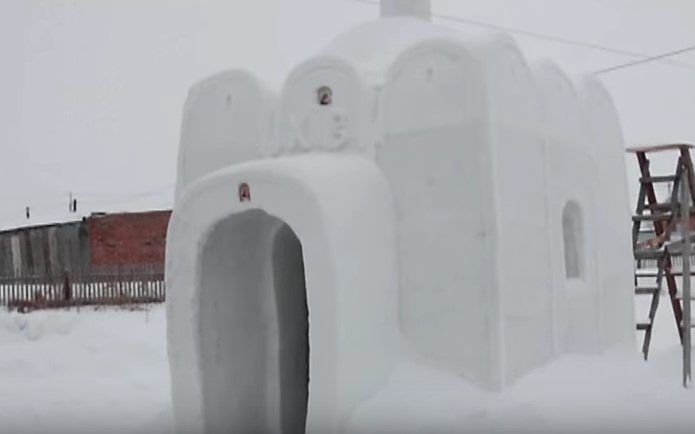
676,251
643,290
652,217
646,273
643,326
646,149
662,206
653,179
659,253
673,245
649,254
653,272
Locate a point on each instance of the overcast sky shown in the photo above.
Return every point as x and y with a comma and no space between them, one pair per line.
92,91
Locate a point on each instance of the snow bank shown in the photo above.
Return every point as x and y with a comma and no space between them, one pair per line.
614,392
107,372
574,394
92,371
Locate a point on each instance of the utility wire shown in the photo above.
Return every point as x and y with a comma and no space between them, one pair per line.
90,197
646,60
541,36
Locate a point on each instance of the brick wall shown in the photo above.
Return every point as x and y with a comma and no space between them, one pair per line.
127,238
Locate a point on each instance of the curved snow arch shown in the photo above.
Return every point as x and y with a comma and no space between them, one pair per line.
519,180
386,40
332,204
454,94
560,108
569,158
510,90
226,120
435,154
305,125
615,264
253,313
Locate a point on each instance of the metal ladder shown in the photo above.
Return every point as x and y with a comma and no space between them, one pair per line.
659,247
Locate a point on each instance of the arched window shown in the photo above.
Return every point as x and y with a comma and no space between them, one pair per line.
573,237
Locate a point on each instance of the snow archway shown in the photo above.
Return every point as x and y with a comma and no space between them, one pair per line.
253,310
232,367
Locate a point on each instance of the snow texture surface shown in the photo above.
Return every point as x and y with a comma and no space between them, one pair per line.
449,201
107,372
225,340
84,372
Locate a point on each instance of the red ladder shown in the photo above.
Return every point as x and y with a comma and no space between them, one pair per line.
664,217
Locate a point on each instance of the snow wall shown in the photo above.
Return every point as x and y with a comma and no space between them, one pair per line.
407,194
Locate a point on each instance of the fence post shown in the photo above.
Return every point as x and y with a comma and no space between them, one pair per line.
67,289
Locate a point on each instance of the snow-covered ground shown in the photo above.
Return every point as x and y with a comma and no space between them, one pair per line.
616,392
93,371
106,371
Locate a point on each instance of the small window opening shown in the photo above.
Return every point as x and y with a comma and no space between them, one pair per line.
573,237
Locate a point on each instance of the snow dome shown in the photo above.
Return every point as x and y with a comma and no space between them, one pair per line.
407,194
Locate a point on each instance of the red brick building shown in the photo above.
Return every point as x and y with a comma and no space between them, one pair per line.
127,238
97,241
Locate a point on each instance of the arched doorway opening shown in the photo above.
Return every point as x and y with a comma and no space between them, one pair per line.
254,326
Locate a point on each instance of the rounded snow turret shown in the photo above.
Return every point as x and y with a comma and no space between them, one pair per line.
572,209
226,120
606,144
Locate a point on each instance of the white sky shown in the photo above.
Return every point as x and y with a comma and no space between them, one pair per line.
92,91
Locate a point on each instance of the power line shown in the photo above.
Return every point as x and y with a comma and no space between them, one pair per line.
57,198
646,60
541,36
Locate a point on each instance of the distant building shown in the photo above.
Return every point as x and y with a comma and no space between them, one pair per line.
98,241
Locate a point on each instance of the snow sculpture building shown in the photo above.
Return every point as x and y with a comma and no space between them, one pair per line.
407,194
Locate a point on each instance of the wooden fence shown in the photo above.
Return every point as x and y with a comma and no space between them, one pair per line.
96,287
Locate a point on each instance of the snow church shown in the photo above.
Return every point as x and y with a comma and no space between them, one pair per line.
407,194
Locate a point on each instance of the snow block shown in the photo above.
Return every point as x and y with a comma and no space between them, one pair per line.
519,184
324,107
409,195
304,268
573,212
226,120
615,270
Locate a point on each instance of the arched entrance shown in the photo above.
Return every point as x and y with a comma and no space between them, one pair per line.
254,326
229,370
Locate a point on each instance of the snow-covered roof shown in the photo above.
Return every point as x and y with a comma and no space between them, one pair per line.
12,212
376,44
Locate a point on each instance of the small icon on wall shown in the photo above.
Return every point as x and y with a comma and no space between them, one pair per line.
244,192
324,95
